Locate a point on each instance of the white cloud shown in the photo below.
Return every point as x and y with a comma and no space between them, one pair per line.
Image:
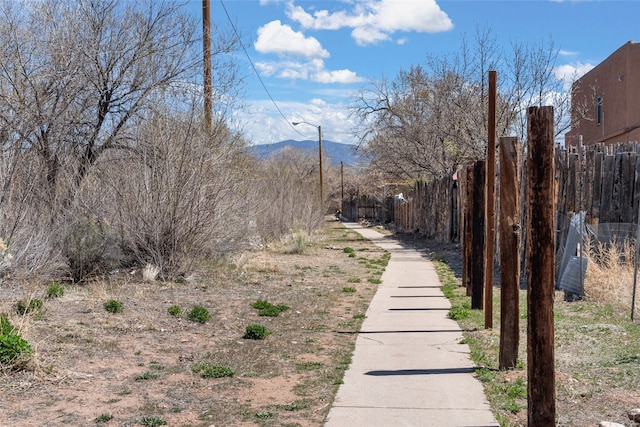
281,39
313,70
563,52
374,21
337,76
569,73
261,124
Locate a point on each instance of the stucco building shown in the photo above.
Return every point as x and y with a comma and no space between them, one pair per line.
605,102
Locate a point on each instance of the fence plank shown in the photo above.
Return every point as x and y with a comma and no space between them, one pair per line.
606,198
627,184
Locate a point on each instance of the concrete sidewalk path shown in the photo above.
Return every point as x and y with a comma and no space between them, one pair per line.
409,368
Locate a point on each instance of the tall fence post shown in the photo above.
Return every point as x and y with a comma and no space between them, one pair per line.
509,238
490,217
478,237
467,227
540,268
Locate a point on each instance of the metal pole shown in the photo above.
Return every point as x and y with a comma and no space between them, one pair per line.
320,158
206,45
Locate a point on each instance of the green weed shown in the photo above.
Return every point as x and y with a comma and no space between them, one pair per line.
113,306
212,371
28,306
175,310
13,348
55,290
256,332
153,422
147,376
199,314
103,418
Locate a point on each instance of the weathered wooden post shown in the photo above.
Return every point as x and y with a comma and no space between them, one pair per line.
490,208
467,238
509,238
540,268
478,238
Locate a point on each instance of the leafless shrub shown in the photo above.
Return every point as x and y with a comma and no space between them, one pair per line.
180,196
289,194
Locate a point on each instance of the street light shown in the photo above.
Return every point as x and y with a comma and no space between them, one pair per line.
319,155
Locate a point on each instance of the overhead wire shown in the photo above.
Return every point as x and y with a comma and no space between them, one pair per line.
255,70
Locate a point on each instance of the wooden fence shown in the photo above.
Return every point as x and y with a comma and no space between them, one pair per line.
603,181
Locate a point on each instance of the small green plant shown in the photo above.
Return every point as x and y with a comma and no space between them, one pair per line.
199,314
485,375
13,348
269,310
153,422
459,312
212,371
517,390
264,415
103,418
157,366
260,304
175,310
147,376
55,290
348,250
449,290
354,280
374,280
5,326
28,306
309,366
512,406
349,290
113,306
294,406
256,332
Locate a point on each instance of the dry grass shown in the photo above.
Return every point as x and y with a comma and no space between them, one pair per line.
138,363
610,269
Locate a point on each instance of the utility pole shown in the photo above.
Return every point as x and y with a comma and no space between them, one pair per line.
320,158
206,44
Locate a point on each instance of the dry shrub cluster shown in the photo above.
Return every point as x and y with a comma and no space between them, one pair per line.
104,159
290,187
610,269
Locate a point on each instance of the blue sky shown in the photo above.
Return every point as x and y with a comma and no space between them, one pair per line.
313,56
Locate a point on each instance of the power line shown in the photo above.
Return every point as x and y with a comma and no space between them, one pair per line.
255,70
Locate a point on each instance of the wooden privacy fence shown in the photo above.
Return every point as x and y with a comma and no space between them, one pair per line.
603,181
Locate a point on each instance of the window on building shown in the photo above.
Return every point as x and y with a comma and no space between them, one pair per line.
598,110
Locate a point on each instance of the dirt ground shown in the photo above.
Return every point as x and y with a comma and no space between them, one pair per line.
140,367
143,366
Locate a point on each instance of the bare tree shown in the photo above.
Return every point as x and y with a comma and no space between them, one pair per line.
433,116
79,82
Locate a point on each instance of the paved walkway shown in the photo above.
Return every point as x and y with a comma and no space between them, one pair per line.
409,368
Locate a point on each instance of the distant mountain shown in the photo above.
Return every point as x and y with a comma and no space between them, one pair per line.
335,151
